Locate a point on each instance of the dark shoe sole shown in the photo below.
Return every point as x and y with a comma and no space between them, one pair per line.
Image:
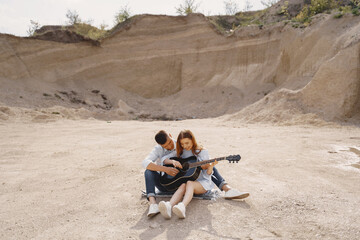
152,214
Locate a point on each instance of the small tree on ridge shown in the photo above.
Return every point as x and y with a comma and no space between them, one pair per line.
122,15
231,7
33,27
73,17
187,7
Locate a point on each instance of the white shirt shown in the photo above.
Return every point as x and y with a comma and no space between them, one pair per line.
157,153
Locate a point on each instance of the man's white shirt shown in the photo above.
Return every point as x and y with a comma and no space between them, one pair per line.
157,153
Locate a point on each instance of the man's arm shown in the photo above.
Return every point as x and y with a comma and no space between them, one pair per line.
154,155
155,167
149,163
168,170
166,159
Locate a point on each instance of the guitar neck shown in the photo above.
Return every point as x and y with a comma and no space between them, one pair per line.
197,164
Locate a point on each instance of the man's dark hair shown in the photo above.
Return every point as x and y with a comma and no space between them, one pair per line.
161,137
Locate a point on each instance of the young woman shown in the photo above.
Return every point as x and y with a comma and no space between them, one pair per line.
187,146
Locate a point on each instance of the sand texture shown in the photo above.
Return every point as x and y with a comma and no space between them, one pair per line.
82,180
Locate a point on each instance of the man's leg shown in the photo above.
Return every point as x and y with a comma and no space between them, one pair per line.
152,180
230,193
218,179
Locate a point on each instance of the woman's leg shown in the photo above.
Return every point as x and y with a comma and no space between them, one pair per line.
178,195
165,207
191,188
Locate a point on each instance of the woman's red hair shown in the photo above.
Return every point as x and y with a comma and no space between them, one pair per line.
196,149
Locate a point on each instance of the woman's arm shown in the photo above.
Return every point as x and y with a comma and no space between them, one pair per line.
204,155
210,167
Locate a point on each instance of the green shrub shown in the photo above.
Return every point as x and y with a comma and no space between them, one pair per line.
89,31
315,7
355,12
247,18
84,28
355,3
320,6
122,15
188,6
304,15
339,15
306,24
345,9
284,9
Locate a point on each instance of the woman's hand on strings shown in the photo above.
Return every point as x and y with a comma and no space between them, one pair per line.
213,163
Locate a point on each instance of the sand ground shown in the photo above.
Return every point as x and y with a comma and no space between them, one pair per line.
82,180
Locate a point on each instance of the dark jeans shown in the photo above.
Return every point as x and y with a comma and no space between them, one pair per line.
218,179
152,180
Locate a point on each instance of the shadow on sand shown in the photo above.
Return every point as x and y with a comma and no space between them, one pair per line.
198,218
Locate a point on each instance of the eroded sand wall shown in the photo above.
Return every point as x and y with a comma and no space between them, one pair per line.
158,56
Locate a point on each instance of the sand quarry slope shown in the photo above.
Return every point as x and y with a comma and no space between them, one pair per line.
164,67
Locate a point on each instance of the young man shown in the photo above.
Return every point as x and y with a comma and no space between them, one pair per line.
165,146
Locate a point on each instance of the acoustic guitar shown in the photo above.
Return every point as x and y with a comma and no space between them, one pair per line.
190,170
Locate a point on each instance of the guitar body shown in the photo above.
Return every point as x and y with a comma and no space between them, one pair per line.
185,174
190,171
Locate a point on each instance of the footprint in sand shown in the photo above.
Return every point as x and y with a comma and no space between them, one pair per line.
59,154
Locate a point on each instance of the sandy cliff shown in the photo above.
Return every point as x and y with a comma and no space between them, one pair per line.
182,67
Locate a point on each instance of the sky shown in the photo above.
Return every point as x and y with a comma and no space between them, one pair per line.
15,15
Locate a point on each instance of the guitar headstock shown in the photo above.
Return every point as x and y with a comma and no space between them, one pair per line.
233,158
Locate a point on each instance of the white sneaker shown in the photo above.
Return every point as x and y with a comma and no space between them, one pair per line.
179,210
165,209
236,194
153,210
